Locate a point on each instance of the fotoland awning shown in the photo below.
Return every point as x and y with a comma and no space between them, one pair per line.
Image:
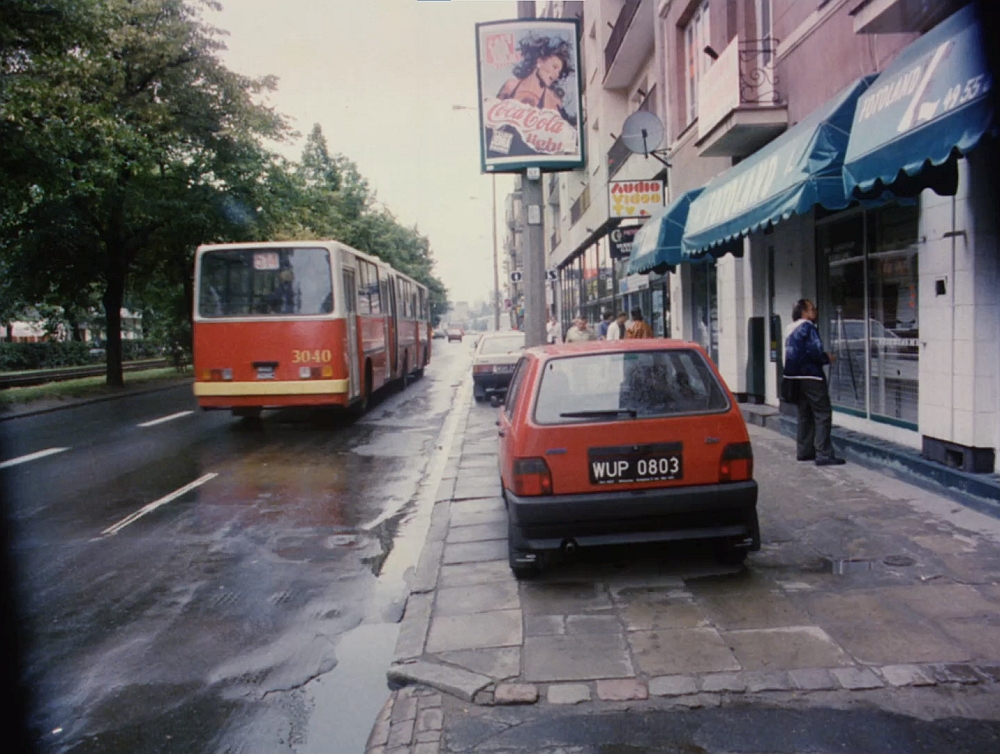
931,104
658,243
792,174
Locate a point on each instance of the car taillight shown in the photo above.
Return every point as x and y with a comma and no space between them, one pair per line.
482,369
737,463
532,477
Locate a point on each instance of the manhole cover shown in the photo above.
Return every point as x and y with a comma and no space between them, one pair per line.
898,560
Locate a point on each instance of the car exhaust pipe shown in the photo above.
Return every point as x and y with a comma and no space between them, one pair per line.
569,547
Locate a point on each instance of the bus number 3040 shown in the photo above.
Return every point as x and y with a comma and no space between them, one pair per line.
304,357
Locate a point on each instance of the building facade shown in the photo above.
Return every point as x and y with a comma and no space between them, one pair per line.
906,278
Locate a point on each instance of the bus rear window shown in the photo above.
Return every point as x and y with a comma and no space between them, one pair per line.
265,282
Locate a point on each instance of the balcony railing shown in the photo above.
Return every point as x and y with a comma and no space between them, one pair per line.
619,153
625,16
758,83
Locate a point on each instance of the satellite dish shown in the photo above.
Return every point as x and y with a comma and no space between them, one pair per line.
642,132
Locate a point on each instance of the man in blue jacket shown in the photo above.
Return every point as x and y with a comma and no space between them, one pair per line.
804,362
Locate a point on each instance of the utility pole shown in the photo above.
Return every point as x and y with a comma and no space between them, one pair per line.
496,271
534,241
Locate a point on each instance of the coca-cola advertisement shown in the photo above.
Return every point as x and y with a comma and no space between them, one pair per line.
529,94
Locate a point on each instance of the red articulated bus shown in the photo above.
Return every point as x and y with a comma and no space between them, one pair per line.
303,323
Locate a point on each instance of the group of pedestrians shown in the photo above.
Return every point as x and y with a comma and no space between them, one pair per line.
612,327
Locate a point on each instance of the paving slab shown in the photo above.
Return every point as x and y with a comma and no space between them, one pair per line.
673,685
562,598
681,651
413,627
478,506
812,679
544,625
478,532
474,552
454,681
575,658
856,678
475,573
906,675
515,693
593,624
647,614
568,693
449,633
785,647
461,517
478,598
955,673
496,662
735,683
621,690
767,609
767,680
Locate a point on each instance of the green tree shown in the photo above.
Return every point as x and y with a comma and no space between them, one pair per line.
110,130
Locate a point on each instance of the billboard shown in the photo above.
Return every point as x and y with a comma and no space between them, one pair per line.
529,95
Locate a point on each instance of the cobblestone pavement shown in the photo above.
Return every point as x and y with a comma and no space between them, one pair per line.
867,591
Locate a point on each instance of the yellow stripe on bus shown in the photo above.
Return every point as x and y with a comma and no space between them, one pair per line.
304,387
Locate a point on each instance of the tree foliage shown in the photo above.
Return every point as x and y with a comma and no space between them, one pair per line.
126,143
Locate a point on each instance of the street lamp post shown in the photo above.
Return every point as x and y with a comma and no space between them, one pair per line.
496,272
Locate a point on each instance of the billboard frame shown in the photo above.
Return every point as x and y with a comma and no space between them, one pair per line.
547,163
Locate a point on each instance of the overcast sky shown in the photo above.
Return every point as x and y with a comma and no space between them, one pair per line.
381,77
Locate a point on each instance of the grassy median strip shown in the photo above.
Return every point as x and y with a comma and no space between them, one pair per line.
86,387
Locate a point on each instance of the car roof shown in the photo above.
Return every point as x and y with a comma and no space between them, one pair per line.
612,346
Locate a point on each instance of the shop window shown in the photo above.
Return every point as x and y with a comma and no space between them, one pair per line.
869,313
705,306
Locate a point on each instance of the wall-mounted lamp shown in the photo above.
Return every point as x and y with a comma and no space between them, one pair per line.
710,51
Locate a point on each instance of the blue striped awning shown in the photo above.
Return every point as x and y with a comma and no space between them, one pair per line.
932,102
658,243
792,174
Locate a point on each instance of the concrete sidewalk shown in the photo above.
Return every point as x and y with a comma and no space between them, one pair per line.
867,590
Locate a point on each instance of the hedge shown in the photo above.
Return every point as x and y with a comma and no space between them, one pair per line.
51,354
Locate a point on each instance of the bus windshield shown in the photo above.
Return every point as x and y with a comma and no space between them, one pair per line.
265,282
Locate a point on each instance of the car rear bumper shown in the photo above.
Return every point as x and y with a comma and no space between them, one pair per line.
656,515
492,383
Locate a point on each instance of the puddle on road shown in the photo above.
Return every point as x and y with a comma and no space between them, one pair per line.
347,700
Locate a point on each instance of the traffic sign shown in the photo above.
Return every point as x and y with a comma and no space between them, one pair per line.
515,276
552,275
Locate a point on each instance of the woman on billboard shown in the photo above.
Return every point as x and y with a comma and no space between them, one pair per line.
544,63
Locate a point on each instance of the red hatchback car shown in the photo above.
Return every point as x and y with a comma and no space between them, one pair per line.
619,442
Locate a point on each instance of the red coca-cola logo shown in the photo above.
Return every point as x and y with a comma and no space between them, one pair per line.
525,116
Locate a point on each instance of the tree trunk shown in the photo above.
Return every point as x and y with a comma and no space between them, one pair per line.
10,332
114,296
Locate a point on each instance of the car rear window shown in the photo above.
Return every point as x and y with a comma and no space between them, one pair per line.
502,345
634,384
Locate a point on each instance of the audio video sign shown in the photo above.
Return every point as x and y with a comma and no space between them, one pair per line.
529,95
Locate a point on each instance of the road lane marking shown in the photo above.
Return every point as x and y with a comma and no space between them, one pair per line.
163,419
32,457
149,508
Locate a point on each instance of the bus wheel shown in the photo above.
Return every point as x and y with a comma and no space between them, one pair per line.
362,404
247,412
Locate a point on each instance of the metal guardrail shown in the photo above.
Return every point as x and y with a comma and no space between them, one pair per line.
42,377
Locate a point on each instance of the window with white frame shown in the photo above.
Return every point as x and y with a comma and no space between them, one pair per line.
696,39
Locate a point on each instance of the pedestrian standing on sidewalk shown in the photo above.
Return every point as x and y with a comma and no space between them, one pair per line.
554,331
616,330
804,362
639,327
602,329
579,332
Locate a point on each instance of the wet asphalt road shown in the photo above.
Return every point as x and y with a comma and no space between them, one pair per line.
255,612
